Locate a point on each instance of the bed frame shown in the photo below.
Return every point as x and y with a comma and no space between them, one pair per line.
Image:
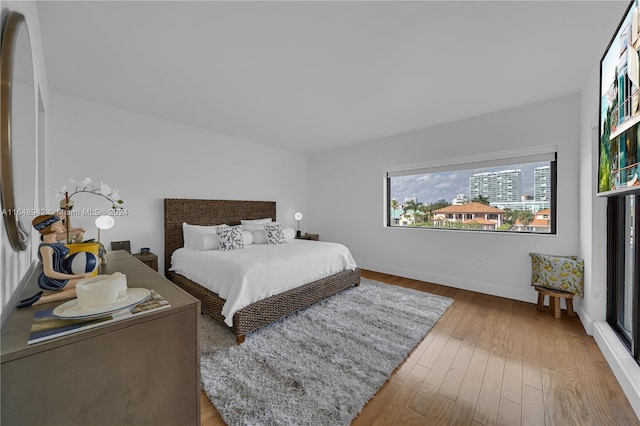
261,313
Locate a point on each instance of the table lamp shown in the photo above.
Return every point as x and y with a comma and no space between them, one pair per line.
298,217
104,222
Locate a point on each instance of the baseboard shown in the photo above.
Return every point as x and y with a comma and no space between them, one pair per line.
524,295
585,319
624,367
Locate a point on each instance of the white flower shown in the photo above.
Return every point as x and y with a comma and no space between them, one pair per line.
87,186
61,193
105,189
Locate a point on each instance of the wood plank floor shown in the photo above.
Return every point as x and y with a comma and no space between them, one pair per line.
494,361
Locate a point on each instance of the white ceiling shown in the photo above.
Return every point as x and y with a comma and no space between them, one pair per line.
312,76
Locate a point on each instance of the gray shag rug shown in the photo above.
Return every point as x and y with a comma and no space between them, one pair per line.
321,365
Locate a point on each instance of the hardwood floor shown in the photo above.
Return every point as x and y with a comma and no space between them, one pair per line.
491,360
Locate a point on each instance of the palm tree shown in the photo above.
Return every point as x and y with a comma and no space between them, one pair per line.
404,208
481,199
413,205
526,217
510,216
424,209
394,206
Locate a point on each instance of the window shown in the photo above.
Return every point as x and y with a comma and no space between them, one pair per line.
511,191
623,268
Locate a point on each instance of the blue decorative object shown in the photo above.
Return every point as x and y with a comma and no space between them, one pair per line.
81,262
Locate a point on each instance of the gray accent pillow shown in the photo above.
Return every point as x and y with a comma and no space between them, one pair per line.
230,238
275,233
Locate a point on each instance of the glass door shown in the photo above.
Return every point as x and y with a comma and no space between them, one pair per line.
624,270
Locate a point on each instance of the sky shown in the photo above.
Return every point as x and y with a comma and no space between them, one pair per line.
431,187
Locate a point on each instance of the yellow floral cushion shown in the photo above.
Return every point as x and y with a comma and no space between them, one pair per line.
564,273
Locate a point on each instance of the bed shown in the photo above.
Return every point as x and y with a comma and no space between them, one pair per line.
260,313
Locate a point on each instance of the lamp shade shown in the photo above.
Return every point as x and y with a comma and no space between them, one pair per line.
104,222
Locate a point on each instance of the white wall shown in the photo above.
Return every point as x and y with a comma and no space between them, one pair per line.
346,199
593,210
14,266
149,159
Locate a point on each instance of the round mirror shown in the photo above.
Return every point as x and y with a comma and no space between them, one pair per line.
18,138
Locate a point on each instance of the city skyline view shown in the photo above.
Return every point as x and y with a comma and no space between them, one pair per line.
431,187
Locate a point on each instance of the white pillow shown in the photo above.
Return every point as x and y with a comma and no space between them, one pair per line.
192,235
289,233
247,237
256,221
254,227
186,235
207,242
231,238
259,236
275,234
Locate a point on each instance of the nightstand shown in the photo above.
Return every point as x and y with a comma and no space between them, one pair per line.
313,237
149,259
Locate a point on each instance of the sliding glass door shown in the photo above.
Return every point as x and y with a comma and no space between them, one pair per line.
624,270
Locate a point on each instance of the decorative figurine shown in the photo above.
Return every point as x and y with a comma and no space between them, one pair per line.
57,278
75,235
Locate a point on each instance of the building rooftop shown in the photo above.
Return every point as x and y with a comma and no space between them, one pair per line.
481,221
536,222
472,207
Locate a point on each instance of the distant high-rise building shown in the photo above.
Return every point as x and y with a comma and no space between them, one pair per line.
460,199
542,183
502,186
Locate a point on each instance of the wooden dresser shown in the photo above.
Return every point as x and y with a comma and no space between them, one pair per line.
142,370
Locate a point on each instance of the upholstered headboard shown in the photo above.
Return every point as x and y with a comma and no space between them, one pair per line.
207,212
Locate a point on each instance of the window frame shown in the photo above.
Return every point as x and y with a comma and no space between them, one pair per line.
544,153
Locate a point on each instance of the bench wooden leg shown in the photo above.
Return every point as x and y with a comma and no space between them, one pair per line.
540,301
556,307
554,302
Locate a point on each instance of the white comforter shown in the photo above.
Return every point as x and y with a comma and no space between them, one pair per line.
258,271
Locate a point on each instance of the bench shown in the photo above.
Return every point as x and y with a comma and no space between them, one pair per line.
554,300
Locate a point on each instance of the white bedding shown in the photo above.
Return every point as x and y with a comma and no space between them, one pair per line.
258,271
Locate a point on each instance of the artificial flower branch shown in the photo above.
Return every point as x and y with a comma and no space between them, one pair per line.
95,192
86,186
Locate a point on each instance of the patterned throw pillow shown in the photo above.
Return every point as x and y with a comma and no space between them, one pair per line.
275,233
564,273
230,238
